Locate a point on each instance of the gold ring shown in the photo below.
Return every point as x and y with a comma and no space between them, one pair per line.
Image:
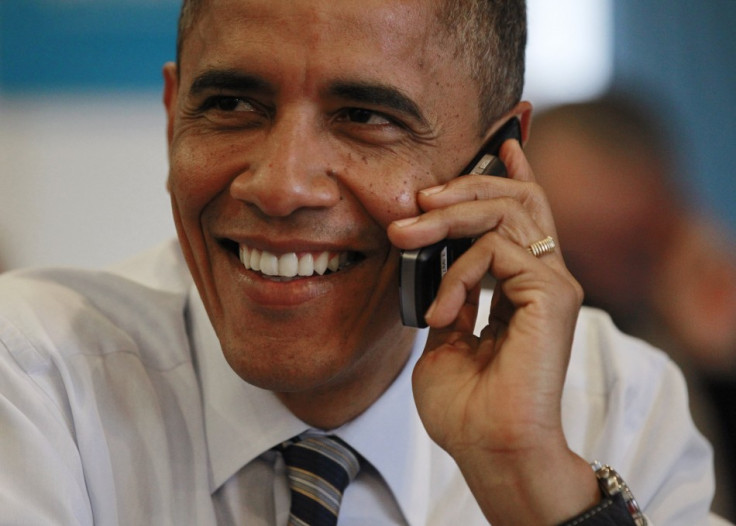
542,247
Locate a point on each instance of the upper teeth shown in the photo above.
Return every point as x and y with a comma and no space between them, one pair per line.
290,264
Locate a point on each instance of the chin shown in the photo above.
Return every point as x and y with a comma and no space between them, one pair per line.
286,365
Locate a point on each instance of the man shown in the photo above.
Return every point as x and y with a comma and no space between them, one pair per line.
308,131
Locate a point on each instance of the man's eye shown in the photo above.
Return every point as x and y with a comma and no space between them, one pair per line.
228,104
362,116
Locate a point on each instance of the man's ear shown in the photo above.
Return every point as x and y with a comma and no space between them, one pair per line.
523,111
171,91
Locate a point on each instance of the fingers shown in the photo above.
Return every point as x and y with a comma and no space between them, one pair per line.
525,280
520,186
460,208
472,206
504,216
471,219
517,165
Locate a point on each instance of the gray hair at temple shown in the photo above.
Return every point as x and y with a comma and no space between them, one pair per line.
488,35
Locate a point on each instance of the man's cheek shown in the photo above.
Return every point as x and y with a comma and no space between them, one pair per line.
189,185
389,202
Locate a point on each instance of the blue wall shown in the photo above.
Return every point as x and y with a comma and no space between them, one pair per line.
684,53
54,46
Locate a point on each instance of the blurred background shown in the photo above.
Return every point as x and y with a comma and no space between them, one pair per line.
82,149
638,97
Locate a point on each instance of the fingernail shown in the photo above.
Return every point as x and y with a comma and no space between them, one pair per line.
430,310
433,190
406,221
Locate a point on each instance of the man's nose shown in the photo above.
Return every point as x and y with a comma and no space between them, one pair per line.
289,170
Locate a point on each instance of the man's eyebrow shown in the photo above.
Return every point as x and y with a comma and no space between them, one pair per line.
229,80
377,95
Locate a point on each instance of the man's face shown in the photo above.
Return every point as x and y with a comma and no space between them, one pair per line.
298,131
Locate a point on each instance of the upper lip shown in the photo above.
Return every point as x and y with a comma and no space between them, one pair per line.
278,243
285,246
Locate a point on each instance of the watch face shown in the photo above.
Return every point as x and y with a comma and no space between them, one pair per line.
611,484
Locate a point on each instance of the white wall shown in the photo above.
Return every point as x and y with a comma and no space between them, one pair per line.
82,178
570,52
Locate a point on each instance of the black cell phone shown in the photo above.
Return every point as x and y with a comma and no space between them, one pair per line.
421,270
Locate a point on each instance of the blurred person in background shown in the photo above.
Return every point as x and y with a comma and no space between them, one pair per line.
665,271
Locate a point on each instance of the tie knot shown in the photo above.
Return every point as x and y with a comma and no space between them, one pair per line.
319,469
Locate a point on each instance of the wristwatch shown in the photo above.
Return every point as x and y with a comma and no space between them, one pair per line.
612,486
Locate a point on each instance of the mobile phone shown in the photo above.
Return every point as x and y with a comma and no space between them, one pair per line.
421,270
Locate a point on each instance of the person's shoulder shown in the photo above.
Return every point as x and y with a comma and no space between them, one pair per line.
56,313
603,357
162,268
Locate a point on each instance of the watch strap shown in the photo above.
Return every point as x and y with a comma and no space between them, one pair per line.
610,511
617,506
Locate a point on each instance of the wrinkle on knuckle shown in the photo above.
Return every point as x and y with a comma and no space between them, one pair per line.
477,192
534,196
511,231
514,206
488,240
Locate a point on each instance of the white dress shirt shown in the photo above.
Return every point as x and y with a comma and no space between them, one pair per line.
117,407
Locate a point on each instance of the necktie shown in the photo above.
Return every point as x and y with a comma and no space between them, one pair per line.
319,469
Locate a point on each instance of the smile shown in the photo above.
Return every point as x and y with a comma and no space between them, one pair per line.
291,264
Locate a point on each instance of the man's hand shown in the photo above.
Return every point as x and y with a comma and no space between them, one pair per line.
494,401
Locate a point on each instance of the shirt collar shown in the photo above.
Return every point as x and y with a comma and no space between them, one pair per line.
242,421
403,463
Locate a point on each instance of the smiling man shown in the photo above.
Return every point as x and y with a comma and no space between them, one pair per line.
292,139
309,142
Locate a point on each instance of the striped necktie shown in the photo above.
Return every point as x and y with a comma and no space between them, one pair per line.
319,469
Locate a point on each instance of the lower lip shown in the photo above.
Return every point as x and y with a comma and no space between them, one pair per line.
284,293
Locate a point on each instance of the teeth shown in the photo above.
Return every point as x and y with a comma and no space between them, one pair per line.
269,264
255,259
306,265
290,265
320,263
334,263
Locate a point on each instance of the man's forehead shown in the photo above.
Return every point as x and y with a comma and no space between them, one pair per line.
398,35
397,17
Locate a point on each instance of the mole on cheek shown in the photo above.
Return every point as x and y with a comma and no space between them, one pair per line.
404,198
405,201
